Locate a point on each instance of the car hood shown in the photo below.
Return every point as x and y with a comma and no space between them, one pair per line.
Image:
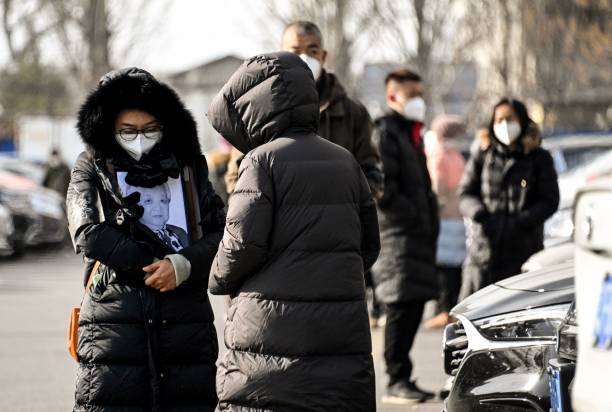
550,286
560,253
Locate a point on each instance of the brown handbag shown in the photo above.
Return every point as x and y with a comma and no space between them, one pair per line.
73,325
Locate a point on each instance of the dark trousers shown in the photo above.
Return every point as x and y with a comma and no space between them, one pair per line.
403,321
375,308
450,285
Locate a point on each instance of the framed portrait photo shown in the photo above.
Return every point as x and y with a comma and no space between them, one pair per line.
164,210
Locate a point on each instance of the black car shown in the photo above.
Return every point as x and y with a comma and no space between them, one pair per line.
499,348
38,214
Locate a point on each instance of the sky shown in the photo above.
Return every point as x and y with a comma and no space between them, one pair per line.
190,33
181,34
197,31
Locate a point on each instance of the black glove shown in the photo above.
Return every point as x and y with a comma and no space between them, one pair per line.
481,215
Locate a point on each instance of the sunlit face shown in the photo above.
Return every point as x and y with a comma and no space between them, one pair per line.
505,112
309,45
134,119
156,204
398,93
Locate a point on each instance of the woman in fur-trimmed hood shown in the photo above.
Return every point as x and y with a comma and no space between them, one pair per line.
508,191
144,344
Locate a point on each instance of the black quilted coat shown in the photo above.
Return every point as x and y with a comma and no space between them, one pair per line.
408,216
139,349
301,229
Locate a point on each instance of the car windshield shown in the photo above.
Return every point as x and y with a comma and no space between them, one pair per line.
600,166
572,151
576,157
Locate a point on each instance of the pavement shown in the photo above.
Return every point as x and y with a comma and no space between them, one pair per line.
38,290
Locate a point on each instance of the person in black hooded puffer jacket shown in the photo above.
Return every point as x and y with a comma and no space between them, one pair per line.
143,345
300,231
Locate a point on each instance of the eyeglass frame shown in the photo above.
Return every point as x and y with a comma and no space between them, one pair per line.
119,132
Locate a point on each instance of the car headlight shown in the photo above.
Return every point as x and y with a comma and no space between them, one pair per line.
6,221
15,201
529,324
567,343
46,204
560,225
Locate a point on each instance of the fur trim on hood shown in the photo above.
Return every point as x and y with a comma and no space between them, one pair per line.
134,88
531,140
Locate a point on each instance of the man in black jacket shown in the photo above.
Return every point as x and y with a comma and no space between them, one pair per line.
405,273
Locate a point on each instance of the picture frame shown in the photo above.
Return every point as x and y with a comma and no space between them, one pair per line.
167,210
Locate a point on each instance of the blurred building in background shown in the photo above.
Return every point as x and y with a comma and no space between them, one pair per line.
197,87
553,54
39,135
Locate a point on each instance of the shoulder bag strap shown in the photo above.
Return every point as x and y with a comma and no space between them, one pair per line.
192,203
94,270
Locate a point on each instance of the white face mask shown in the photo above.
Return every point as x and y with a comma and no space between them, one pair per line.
414,109
507,132
313,64
139,146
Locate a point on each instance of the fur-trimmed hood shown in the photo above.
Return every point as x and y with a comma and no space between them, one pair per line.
531,139
134,88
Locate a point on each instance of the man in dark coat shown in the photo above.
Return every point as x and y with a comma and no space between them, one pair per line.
146,345
508,191
405,273
301,229
57,173
342,120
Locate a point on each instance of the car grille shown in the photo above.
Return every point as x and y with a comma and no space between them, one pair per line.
455,347
21,224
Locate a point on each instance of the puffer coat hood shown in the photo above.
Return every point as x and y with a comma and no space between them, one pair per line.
269,95
134,88
300,230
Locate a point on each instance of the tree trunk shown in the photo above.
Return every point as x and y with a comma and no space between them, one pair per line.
97,36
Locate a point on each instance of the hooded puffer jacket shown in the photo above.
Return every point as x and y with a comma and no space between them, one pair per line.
300,231
507,193
139,349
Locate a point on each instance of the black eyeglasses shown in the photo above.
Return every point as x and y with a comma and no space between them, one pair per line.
130,134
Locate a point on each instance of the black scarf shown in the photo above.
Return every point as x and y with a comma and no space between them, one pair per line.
153,168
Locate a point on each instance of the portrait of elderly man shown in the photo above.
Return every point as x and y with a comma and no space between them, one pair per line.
156,204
